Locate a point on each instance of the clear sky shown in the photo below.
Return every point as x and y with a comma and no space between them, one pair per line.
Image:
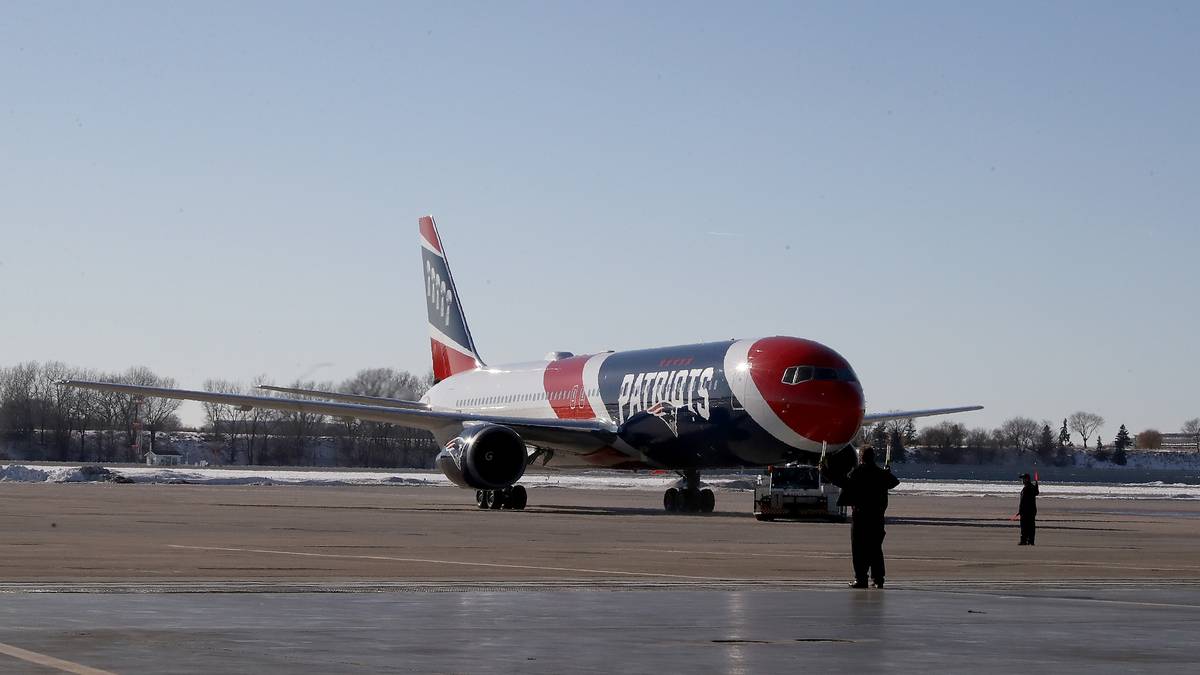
975,203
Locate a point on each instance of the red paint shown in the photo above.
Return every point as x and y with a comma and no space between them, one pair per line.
821,411
429,232
448,361
566,375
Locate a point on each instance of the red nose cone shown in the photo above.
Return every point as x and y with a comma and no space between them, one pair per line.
826,407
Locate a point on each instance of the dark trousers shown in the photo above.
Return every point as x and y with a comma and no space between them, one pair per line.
866,547
1028,528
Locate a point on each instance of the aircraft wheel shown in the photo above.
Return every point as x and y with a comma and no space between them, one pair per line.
671,501
708,501
691,501
763,517
481,499
497,500
518,498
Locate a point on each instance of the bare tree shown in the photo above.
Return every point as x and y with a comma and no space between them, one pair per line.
58,408
944,435
303,426
897,427
108,409
224,419
158,413
18,400
1192,428
385,382
978,438
1084,423
87,411
1149,439
378,443
260,424
1021,432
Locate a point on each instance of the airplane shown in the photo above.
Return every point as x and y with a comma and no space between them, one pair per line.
739,403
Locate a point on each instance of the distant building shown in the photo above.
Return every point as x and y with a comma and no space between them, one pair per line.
1179,442
163,458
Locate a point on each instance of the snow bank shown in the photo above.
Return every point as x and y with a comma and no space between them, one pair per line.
16,473
578,480
972,488
22,474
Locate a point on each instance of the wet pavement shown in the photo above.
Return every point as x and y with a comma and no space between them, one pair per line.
1005,627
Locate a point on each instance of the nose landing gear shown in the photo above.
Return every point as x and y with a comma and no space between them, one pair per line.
512,497
690,498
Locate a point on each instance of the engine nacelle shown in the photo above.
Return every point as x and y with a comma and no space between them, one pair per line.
484,457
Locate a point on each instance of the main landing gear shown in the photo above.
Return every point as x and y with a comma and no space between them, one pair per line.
512,497
689,498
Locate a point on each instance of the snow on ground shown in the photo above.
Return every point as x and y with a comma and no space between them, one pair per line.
43,474
975,488
575,480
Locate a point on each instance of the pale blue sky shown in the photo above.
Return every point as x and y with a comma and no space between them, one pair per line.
974,203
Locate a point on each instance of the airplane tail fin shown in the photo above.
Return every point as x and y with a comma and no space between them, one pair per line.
450,339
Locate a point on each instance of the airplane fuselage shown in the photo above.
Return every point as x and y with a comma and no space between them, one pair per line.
737,403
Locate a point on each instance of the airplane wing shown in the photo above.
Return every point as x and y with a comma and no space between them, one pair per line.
576,436
348,398
908,414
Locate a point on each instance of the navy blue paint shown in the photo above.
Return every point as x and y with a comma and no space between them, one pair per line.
681,438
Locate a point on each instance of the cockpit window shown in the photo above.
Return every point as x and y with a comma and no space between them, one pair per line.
798,374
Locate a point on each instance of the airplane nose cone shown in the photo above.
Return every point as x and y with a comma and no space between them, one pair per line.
831,413
810,387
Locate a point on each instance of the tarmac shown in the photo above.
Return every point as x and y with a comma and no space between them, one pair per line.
112,578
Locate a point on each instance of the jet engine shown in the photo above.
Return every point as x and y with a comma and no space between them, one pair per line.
484,457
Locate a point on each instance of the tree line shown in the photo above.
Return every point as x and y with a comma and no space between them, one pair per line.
40,419
59,423
1019,437
258,436
43,420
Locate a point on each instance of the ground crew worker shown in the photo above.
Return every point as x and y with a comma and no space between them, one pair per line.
1028,511
865,490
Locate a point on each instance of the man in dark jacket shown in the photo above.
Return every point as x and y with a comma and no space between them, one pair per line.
1028,510
865,490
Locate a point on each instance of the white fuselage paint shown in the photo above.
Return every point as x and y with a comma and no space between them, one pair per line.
516,389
